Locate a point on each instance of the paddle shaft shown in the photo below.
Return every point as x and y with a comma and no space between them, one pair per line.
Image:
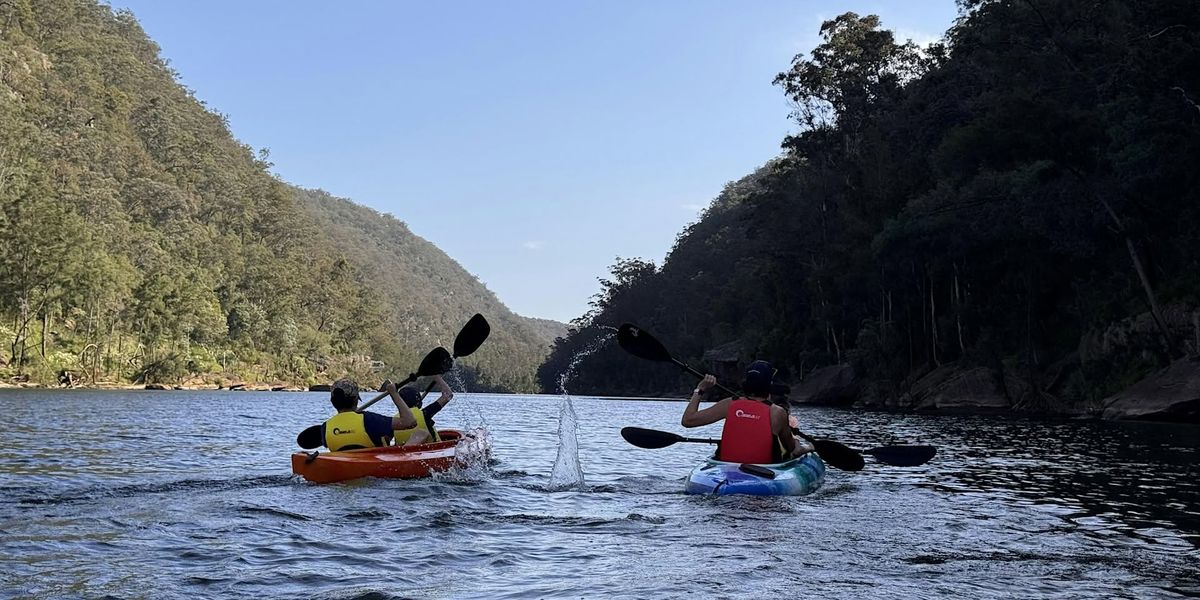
411,378
468,340
371,401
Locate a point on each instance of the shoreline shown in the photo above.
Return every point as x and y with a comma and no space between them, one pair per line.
242,387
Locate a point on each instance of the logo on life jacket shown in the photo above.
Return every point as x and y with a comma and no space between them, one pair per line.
337,431
739,413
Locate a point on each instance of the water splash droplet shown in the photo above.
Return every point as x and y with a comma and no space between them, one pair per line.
568,472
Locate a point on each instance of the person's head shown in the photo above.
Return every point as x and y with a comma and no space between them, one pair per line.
758,379
779,394
410,396
344,395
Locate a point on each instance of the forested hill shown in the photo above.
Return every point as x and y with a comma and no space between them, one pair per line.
1013,213
143,242
429,296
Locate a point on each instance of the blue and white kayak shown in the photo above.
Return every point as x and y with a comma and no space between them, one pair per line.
796,477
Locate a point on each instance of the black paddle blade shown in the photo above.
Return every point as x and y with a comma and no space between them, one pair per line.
839,455
310,438
649,438
472,336
438,361
641,344
903,456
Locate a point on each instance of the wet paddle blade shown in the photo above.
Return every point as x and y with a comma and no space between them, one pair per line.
438,361
839,455
472,336
649,438
310,438
903,456
641,344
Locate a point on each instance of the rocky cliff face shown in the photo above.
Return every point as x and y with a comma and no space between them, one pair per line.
1172,394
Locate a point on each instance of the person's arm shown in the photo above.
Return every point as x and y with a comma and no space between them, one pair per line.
403,418
783,430
693,416
418,436
433,407
379,428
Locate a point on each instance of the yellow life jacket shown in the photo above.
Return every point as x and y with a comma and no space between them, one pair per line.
402,435
346,431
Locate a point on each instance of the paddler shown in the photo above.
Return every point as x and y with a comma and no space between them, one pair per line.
424,432
348,430
755,431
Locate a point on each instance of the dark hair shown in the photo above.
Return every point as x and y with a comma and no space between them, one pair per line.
341,400
410,396
756,386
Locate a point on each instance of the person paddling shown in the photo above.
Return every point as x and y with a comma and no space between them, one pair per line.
424,432
350,430
755,430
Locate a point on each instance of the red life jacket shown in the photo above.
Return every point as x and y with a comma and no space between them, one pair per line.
747,436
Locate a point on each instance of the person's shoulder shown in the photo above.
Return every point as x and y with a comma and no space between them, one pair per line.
374,417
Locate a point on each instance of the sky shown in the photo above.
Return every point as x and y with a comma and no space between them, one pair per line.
534,141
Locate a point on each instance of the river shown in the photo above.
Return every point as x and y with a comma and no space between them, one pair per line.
189,495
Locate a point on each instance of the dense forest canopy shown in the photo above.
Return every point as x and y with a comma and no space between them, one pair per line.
1021,196
143,242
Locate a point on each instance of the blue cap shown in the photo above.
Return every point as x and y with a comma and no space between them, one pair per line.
758,378
761,368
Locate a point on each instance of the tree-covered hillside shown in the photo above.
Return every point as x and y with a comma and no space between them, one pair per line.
142,242
428,296
1021,201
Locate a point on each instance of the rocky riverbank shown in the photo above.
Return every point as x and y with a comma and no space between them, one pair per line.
1169,394
235,386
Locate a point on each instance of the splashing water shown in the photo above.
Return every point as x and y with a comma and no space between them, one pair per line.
455,381
567,472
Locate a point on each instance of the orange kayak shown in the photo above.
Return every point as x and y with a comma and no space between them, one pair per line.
457,449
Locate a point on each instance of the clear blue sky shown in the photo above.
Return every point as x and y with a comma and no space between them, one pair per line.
533,141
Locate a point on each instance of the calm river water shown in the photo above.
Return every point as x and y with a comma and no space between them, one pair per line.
190,495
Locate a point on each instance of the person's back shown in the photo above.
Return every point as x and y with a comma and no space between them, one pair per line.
351,430
746,436
423,416
347,430
755,431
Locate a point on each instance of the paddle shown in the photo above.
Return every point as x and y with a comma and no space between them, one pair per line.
469,338
641,344
652,439
905,456
434,363
467,342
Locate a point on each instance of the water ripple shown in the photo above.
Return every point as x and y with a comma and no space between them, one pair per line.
206,507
